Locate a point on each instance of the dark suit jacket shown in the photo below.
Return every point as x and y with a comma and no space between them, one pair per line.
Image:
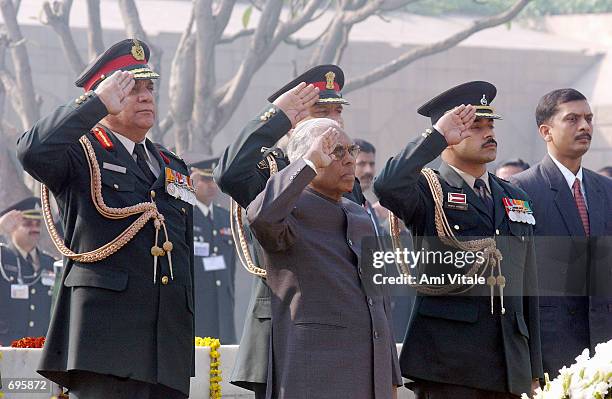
456,340
329,339
568,262
24,317
214,289
110,318
242,173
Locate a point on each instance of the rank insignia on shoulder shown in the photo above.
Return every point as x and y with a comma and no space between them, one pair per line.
519,210
457,201
102,137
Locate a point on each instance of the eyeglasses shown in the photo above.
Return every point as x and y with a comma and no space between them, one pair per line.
340,151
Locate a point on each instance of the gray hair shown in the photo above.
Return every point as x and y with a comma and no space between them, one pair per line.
305,133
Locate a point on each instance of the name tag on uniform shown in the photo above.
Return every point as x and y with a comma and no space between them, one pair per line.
456,201
113,167
214,263
19,291
201,248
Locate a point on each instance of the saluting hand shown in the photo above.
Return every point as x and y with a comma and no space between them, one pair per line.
455,124
296,102
10,221
320,151
114,90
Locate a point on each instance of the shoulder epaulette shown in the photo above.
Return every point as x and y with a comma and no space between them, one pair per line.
102,136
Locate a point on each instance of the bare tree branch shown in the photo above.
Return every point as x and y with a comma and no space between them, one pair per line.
134,29
410,56
58,17
222,16
28,108
95,39
237,35
300,44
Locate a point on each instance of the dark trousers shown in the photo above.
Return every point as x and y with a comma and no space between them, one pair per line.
88,385
438,390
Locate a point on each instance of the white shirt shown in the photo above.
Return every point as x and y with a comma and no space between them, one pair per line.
570,178
32,253
206,209
129,146
469,179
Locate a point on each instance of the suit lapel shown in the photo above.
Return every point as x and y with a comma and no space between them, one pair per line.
497,192
595,202
455,180
161,179
564,200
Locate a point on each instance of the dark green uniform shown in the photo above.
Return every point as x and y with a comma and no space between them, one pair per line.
24,313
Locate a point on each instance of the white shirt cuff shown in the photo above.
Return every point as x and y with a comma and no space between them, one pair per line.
309,163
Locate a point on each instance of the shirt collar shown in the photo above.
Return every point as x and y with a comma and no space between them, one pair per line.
24,254
567,174
127,143
469,179
206,209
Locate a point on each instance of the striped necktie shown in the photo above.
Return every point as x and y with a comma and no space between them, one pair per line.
581,205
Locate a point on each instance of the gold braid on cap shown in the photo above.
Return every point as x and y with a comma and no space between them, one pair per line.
237,225
491,254
147,211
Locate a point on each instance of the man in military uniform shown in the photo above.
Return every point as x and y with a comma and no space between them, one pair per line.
481,345
242,173
215,258
26,274
123,322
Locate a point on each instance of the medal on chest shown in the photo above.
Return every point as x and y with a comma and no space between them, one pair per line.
519,210
179,186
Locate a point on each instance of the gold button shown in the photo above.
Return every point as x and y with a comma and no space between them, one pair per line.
230,242
214,232
164,280
33,291
497,231
102,76
262,118
116,186
456,227
215,249
218,282
152,194
31,324
183,210
32,307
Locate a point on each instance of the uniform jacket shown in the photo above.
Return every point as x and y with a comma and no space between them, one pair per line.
456,339
214,294
329,339
571,323
110,317
29,317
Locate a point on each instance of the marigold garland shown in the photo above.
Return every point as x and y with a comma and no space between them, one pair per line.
29,342
215,364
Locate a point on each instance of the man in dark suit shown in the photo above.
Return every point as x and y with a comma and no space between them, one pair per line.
215,258
26,274
242,173
573,206
330,338
123,322
479,345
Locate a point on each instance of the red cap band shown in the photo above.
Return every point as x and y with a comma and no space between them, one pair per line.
323,86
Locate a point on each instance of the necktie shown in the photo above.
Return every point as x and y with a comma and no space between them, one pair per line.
581,205
141,160
481,190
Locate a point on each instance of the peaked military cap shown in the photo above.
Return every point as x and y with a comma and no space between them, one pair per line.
204,167
328,78
126,55
29,207
477,93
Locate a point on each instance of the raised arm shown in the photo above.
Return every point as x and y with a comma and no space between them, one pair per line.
237,173
44,150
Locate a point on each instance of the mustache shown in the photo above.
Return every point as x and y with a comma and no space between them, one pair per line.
490,141
583,136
